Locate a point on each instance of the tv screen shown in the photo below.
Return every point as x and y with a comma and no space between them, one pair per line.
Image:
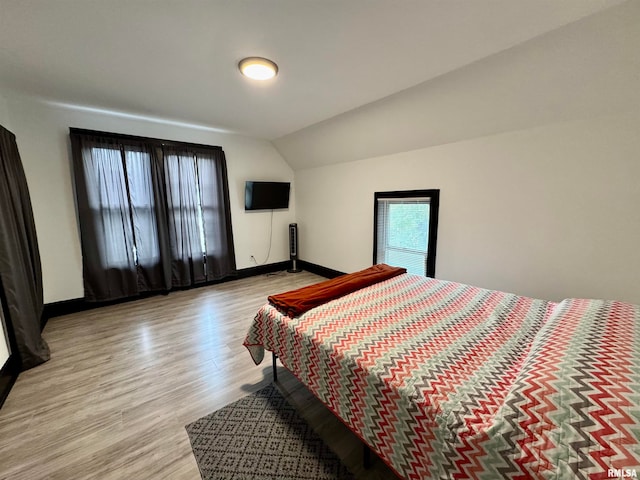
266,195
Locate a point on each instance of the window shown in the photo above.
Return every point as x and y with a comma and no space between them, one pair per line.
153,214
121,201
405,230
109,205
185,200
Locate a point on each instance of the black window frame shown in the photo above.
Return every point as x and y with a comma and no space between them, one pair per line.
434,202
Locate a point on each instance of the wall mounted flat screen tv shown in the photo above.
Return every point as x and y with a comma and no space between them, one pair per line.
266,195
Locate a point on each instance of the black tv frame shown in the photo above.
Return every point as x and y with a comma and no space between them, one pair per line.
260,195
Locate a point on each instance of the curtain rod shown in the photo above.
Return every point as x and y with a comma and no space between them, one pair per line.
157,141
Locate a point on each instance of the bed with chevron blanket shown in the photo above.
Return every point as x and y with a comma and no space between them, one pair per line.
444,380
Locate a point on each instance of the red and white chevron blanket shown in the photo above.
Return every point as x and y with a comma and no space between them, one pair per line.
445,380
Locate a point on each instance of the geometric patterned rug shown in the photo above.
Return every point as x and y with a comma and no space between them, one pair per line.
261,437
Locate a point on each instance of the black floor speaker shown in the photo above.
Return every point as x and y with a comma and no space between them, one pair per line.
293,248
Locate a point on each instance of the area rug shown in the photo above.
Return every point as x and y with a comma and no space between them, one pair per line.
260,437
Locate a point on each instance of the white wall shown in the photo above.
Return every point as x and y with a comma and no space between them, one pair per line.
4,114
550,212
42,132
535,151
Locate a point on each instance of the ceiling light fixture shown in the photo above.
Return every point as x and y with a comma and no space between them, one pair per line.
258,68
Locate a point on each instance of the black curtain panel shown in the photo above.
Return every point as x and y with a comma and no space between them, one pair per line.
20,268
153,214
186,228
218,236
199,222
109,267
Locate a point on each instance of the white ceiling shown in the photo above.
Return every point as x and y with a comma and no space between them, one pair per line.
178,59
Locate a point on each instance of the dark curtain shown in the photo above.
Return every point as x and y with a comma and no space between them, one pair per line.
198,223
212,178
152,216
109,268
20,268
185,217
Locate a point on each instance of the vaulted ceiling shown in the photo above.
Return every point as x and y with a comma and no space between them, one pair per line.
178,59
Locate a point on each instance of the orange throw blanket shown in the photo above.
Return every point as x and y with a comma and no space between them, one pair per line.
296,302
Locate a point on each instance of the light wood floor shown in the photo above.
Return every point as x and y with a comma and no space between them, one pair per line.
124,380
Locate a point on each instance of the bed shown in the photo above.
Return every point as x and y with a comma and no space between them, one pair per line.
444,380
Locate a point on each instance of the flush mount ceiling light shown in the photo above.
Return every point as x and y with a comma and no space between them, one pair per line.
258,68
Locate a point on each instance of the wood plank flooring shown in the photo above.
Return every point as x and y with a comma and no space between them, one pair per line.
124,380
